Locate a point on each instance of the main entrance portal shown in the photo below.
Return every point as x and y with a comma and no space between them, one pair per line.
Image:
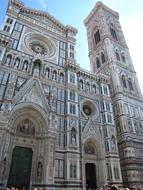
90,176
20,169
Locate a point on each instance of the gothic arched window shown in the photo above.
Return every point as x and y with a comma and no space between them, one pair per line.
117,56
72,109
130,84
97,37
103,58
123,58
97,63
124,81
8,60
113,33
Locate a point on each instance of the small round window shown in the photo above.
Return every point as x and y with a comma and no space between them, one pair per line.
88,108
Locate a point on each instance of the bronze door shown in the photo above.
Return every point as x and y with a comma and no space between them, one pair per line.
90,176
20,169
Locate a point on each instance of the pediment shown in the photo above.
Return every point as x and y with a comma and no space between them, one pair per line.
43,17
40,18
91,130
32,92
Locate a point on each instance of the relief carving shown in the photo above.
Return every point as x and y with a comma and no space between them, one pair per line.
26,127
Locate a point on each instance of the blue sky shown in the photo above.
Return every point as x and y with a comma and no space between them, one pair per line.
73,12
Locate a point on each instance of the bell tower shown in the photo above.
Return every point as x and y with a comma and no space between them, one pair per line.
109,54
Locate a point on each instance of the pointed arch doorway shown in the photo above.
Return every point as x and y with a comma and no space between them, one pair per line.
20,169
90,170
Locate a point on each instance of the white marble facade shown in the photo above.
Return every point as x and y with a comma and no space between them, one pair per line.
56,119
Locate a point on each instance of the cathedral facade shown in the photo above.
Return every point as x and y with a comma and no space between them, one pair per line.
61,126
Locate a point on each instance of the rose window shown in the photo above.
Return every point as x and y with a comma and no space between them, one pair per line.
88,108
37,47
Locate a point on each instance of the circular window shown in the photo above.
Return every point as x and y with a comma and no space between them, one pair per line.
40,44
38,48
88,108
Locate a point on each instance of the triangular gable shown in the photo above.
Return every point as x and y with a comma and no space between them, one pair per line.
32,92
91,129
42,18
41,14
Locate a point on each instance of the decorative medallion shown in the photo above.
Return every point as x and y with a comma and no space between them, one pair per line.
38,47
88,108
40,44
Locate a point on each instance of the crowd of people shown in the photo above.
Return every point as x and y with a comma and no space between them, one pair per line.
106,187
115,187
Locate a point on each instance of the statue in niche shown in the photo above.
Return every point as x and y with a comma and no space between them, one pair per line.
109,49
73,136
25,66
16,64
26,127
47,72
39,170
8,60
36,68
113,143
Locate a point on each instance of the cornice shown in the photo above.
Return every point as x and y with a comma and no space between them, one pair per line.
42,14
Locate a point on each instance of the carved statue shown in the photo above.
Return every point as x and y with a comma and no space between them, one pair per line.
8,60
25,66
39,170
36,69
16,64
73,136
47,73
109,48
113,144
26,127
